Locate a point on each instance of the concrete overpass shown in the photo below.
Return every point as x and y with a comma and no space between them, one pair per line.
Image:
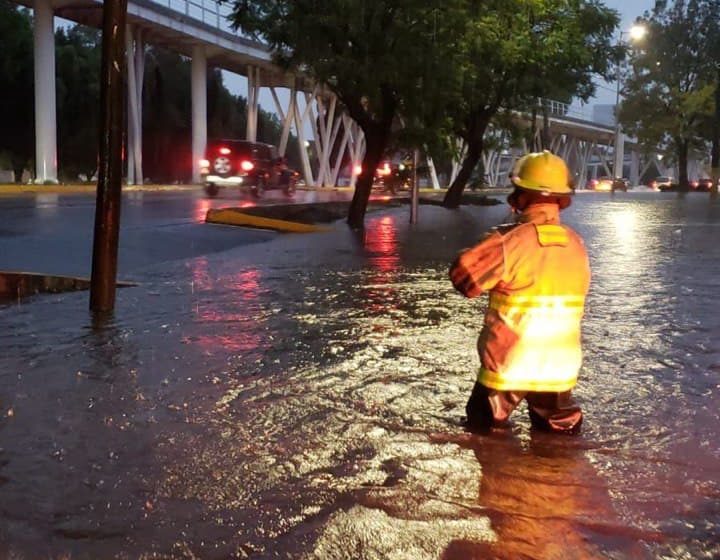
199,29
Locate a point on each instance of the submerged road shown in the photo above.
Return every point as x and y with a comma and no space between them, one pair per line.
304,398
53,234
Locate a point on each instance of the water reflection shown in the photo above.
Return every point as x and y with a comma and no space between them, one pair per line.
625,223
47,205
380,243
202,205
227,326
544,499
327,446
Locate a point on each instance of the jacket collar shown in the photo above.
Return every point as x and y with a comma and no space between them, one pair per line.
540,214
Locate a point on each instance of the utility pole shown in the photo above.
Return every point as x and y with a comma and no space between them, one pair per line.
109,189
715,150
415,194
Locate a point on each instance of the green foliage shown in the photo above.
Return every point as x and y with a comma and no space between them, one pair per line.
382,59
670,87
521,50
16,93
77,62
362,49
167,103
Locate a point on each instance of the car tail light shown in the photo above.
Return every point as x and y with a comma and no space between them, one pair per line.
384,170
225,151
357,169
204,163
653,184
246,165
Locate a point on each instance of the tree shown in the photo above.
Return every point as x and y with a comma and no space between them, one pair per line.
16,93
522,50
382,59
713,47
77,51
669,92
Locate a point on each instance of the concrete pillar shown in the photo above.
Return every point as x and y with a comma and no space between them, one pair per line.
433,174
619,153
253,78
199,109
135,52
45,111
307,169
634,168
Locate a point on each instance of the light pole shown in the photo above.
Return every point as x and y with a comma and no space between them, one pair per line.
636,32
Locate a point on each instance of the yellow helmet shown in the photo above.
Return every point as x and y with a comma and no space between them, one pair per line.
543,172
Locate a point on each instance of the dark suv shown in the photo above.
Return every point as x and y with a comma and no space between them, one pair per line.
254,165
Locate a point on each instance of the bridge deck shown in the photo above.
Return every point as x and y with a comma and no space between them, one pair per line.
199,23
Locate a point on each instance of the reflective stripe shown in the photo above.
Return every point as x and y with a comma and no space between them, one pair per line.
501,382
551,234
501,302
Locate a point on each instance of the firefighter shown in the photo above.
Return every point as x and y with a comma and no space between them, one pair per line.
537,274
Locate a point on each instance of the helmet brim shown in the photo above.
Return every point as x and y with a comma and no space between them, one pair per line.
537,187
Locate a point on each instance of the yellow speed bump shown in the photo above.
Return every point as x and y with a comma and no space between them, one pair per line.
233,217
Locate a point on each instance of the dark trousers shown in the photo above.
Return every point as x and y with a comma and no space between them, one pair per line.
554,412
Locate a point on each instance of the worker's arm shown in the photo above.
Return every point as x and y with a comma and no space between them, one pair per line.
479,269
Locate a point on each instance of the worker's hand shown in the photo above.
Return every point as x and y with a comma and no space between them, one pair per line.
462,277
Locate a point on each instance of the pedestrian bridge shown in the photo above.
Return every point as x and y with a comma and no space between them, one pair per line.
199,29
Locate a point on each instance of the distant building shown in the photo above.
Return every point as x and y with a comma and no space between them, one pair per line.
604,114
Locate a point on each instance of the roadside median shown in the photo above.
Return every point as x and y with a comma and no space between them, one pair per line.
15,285
317,216
290,218
240,217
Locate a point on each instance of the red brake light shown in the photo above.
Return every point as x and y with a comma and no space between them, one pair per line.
225,151
357,169
246,165
204,163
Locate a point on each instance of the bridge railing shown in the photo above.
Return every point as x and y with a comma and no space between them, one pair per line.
560,109
210,12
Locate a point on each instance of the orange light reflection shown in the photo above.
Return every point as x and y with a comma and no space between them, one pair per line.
381,244
226,310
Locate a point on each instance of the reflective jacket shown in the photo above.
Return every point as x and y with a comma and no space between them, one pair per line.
537,273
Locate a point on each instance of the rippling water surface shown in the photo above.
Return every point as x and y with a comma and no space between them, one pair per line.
304,398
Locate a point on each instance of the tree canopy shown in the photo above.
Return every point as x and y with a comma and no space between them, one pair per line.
382,59
445,68
672,80
16,93
522,50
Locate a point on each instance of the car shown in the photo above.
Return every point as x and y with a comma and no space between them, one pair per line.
609,184
662,183
254,165
702,185
391,178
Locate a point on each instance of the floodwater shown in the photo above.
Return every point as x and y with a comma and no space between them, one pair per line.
304,398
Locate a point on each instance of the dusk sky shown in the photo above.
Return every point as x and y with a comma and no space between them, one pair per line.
628,10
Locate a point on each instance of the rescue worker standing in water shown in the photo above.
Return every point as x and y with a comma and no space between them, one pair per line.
537,274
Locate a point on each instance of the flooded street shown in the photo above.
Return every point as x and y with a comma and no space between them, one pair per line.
304,397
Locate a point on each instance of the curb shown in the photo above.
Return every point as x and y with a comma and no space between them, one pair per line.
14,190
233,217
18,284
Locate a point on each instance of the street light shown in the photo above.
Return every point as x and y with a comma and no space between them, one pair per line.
637,32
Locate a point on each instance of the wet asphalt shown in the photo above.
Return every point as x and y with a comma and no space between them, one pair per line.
302,396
